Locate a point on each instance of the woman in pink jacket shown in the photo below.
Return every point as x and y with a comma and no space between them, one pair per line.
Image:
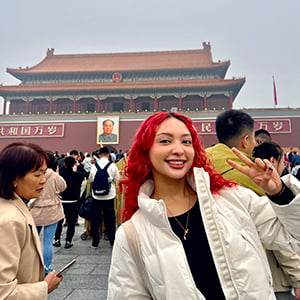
47,210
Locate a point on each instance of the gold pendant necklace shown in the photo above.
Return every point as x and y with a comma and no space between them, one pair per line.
185,229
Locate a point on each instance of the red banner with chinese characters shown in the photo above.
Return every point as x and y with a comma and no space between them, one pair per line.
271,125
31,130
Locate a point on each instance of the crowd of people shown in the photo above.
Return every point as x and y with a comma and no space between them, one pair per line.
79,171
214,223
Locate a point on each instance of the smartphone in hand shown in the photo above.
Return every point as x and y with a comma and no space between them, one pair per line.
65,268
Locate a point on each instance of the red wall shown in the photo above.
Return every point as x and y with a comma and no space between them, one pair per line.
81,135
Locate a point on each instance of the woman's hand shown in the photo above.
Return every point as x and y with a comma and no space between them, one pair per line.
260,171
53,281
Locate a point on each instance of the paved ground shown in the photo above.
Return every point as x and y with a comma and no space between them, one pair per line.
87,278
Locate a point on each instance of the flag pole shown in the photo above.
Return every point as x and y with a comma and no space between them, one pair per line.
275,93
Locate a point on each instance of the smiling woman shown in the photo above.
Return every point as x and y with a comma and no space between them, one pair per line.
199,236
22,177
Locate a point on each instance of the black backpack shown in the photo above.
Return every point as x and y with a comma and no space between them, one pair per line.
101,185
85,209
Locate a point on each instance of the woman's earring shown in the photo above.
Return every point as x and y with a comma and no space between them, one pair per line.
15,185
147,168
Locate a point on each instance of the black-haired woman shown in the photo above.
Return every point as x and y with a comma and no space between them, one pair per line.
22,178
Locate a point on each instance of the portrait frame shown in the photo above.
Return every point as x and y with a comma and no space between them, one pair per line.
112,138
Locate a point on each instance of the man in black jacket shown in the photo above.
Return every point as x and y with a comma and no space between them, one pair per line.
69,198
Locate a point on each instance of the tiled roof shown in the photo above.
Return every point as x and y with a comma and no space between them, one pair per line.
113,62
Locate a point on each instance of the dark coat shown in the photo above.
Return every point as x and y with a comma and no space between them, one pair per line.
73,180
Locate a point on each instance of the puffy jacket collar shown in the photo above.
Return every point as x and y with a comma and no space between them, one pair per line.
155,210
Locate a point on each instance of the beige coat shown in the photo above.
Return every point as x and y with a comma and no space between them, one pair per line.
48,209
21,259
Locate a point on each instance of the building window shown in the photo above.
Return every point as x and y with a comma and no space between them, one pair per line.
118,107
146,106
90,107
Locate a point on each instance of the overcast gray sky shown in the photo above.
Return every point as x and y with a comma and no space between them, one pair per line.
261,38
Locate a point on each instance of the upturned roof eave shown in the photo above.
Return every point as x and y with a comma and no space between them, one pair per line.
113,85
24,72
112,61
234,85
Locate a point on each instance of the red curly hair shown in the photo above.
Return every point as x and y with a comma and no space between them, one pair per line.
137,170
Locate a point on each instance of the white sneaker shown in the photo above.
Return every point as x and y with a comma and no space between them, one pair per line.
93,247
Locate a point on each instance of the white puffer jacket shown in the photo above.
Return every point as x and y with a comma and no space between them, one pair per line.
236,221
